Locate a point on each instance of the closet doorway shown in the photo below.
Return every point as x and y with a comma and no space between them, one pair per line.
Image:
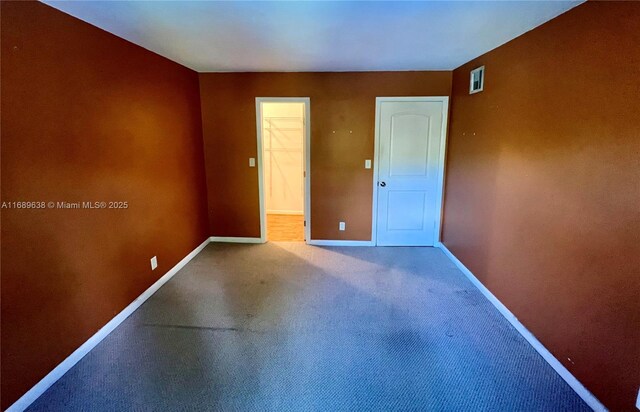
283,164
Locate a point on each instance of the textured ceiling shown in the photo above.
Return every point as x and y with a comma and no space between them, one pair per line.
316,36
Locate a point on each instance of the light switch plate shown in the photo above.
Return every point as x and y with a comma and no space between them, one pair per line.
341,226
252,162
154,263
367,164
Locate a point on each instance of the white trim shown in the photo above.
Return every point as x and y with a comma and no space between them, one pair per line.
307,162
374,200
307,169
564,373
263,220
317,242
441,166
442,169
236,239
52,377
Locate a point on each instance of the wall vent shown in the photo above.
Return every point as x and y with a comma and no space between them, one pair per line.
476,80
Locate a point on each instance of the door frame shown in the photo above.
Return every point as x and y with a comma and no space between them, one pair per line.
441,166
306,142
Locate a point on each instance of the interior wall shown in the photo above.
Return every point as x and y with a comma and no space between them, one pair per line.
542,192
342,137
87,116
283,157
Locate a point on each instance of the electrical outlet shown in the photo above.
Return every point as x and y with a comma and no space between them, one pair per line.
154,263
252,162
341,226
367,164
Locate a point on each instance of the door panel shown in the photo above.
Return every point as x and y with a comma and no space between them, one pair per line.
412,203
408,145
410,134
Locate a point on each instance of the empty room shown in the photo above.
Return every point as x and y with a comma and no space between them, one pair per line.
320,205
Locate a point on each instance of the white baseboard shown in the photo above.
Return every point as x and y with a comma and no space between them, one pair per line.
236,239
564,373
45,383
317,242
309,242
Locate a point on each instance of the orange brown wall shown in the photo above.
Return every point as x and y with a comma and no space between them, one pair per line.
342,137
543,189
87,116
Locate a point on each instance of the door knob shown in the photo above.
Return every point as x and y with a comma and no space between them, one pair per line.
383,184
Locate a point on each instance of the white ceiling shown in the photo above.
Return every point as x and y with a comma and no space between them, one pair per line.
211,36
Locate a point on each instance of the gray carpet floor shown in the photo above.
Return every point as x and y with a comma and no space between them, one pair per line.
291,327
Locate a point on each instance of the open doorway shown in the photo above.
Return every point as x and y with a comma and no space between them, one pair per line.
283,136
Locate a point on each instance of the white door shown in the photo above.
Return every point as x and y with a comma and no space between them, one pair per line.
409,172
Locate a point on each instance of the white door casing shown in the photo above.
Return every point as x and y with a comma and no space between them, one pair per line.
409,170
307,161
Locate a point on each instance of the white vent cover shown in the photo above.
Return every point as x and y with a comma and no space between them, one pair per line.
476,81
